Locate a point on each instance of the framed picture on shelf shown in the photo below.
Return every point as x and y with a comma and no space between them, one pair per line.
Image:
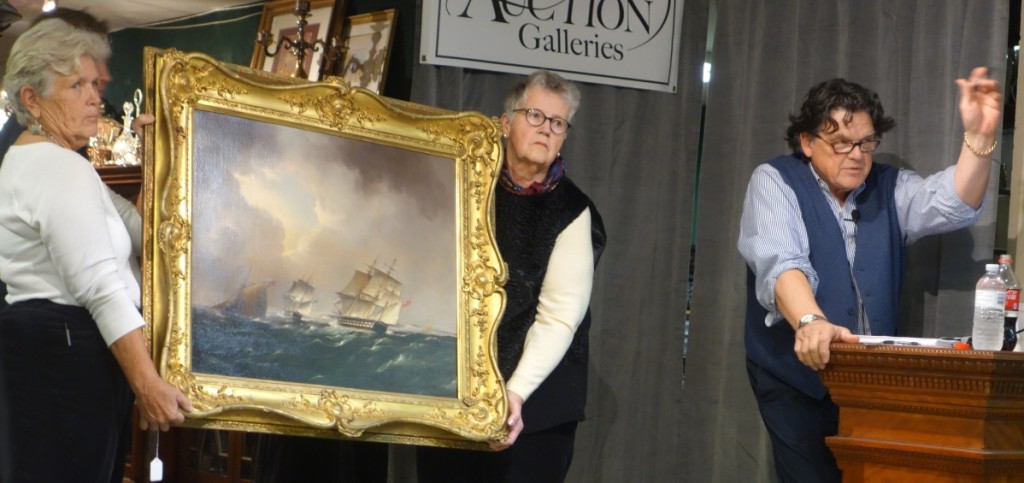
320,260
367,40
325,21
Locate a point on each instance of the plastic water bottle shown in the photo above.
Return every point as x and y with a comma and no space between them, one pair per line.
1012,302
989,310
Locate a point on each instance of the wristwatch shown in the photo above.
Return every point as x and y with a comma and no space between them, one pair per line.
807,319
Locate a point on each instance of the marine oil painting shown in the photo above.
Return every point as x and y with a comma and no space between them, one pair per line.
321,260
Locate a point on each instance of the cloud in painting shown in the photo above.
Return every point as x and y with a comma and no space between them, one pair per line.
273,203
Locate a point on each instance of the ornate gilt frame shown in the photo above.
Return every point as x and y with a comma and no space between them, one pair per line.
181,84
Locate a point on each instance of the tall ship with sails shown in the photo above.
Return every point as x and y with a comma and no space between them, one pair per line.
299,299
250,301
371,300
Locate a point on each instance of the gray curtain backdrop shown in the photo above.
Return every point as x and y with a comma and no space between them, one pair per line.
636,154
767,54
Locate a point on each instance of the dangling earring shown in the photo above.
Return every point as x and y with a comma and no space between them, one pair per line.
504,135
36,128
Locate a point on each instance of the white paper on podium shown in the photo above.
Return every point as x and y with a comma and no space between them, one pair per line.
905,341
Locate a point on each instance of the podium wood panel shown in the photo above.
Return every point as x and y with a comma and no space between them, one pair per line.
927,414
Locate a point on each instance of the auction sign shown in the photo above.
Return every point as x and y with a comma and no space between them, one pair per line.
631,43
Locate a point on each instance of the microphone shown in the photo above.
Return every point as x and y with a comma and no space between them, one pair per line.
854,216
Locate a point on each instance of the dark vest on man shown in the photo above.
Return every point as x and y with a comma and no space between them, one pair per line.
877,269
527,227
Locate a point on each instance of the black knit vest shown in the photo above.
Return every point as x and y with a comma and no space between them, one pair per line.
526,229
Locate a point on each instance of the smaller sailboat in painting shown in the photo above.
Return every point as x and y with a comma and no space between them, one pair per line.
250,300
299,299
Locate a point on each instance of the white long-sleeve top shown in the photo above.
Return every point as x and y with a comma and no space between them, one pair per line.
65,237
564,298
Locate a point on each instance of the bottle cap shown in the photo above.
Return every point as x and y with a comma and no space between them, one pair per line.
991,267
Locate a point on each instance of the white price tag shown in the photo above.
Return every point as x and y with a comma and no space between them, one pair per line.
156,470
156,467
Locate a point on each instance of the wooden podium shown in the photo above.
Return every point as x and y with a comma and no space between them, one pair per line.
927,414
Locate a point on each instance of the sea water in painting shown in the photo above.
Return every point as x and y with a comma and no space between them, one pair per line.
318,259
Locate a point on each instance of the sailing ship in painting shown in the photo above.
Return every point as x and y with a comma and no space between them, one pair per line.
371,300
299,299
250,300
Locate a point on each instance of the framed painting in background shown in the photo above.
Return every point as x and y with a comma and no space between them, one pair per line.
319,260
325,21
367,40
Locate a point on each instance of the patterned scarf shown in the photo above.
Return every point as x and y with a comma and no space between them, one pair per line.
555,174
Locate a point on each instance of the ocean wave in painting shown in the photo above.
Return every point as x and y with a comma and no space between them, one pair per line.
319,352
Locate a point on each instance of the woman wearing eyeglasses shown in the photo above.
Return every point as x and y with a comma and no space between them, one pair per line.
551,236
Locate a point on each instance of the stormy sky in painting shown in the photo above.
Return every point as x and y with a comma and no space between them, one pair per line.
274,203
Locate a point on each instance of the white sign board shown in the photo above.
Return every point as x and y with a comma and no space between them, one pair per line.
631,43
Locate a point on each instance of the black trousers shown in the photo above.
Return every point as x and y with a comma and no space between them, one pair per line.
5,444
282,459
541,457
798,425
67,400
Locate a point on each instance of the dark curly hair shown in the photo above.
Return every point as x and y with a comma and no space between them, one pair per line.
828,96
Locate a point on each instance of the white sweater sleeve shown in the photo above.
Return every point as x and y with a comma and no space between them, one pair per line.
564,298
77,233
133,223
131,217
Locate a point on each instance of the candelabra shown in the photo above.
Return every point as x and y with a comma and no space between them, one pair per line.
299,46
